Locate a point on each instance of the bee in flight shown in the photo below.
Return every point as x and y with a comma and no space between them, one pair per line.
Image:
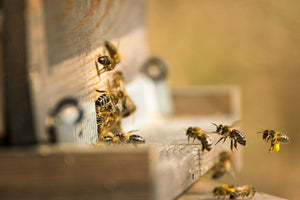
228,132
196,132
235,191
274,138
223,166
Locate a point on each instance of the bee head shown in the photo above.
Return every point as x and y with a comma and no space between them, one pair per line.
107,44
189,131
104,60
219,128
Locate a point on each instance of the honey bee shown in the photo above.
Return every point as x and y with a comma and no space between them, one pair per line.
121,137
234,191
128,138
243,191
223,190
107,63
107,112
223,166
196,132
128,106
274,138
108,137
227,132
113,52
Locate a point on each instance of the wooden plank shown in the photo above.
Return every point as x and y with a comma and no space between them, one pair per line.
17,103
203,188
210,101
55,56
102,172
72,173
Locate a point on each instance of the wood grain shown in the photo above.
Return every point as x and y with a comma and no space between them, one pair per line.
210,101
61,40
203,188
19,122
55,173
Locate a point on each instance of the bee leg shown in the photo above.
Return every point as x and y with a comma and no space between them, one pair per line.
235,143
188,139
231,144
220,140
102,70
225,139
203,145
193,140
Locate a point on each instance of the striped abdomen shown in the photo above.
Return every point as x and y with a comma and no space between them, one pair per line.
103,100
282,138
104,60
206,142
240,138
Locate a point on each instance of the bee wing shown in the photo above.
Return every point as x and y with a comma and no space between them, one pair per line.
132,131
235,123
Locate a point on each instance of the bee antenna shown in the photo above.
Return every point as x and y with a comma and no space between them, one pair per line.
215,124
258,132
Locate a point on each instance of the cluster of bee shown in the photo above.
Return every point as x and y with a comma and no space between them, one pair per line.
235,136
115,104
225,131
224,165
234,191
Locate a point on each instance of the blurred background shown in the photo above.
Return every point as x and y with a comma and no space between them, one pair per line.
255,45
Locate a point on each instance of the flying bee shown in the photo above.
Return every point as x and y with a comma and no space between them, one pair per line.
113,52
107,63
243,191
223,166
196,132
227,132
274,138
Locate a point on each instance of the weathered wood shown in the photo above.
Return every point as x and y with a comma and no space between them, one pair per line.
203,188
210,101
20,126
72,173
145,172
55,55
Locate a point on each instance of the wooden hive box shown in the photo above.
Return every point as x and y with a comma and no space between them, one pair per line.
49,53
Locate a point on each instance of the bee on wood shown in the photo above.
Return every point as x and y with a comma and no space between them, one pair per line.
223,166
109,137
128,138
107,62
227,132
223,190
107,112
274,138
196,132
128,106
113,52
234,191
243,191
